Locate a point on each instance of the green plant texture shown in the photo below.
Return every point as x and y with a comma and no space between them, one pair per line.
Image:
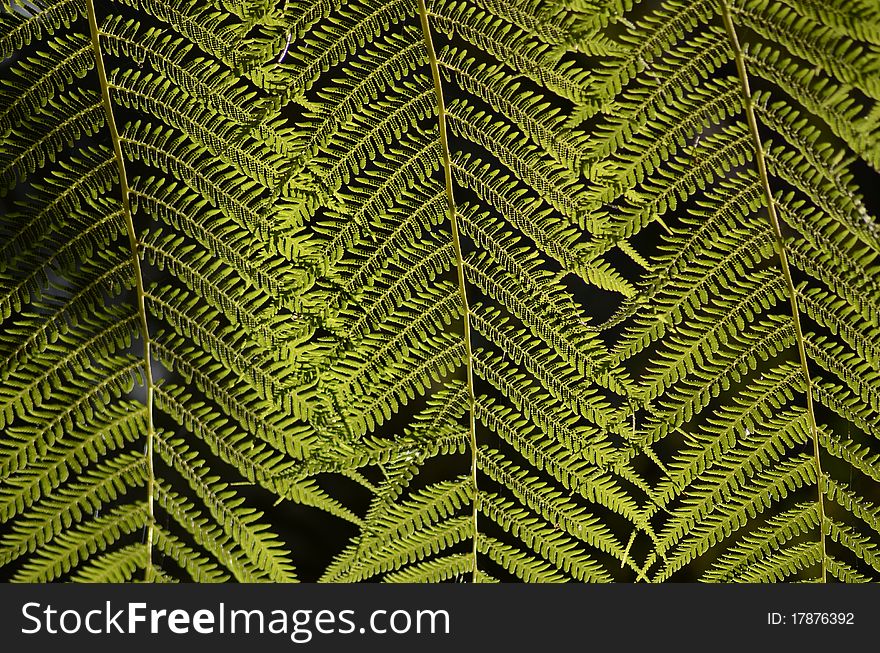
439,290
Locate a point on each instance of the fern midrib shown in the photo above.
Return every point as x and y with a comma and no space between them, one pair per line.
748,105
138,275
460,265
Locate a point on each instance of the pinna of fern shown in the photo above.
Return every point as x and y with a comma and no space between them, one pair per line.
472,290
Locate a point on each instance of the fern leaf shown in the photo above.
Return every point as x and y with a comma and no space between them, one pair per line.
475,290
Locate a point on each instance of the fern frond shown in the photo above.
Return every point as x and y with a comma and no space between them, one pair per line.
118,566
262,548
59,510
72,546
539,291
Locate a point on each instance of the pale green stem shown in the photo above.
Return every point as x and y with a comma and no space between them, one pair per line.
138,275
760,160
459,260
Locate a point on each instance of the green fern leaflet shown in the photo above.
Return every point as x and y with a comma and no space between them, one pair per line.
439,290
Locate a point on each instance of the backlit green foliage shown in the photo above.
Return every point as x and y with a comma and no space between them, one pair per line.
550,290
